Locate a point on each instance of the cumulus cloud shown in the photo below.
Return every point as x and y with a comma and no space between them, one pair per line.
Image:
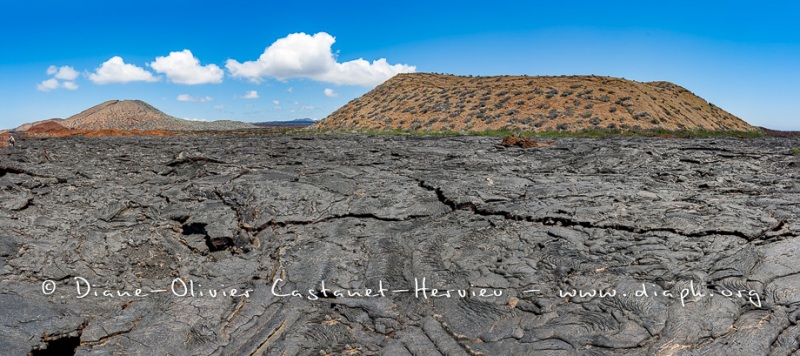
63,73
330,93
115,70
53,83
48,85
189,98
252,94
183,68
300,55
69,85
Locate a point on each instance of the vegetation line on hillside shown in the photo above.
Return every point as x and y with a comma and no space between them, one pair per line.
582,133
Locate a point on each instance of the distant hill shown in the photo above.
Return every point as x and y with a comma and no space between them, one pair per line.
290,123
46,127
51,128
778,133
423,101
26,127
139,115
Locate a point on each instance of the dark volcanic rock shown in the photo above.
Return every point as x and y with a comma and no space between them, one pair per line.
697,240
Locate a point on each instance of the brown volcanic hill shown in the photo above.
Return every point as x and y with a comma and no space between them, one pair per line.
46,127
437,102
138,115
26,127
53,129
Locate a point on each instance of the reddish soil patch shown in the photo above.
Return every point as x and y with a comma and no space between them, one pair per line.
4,139
510,141
47,127
52,129
157,133
113,132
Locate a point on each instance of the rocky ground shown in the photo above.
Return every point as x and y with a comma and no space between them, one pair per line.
699,240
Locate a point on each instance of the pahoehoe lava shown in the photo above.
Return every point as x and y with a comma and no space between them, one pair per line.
648,218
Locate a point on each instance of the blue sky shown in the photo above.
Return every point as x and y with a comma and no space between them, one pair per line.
271,60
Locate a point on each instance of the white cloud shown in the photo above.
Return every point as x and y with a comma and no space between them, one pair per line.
290,89
252,94
48,85
183,68
115,70
63,73
69,85
219,107
299,55
66,73
276,102
330,93
187,97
